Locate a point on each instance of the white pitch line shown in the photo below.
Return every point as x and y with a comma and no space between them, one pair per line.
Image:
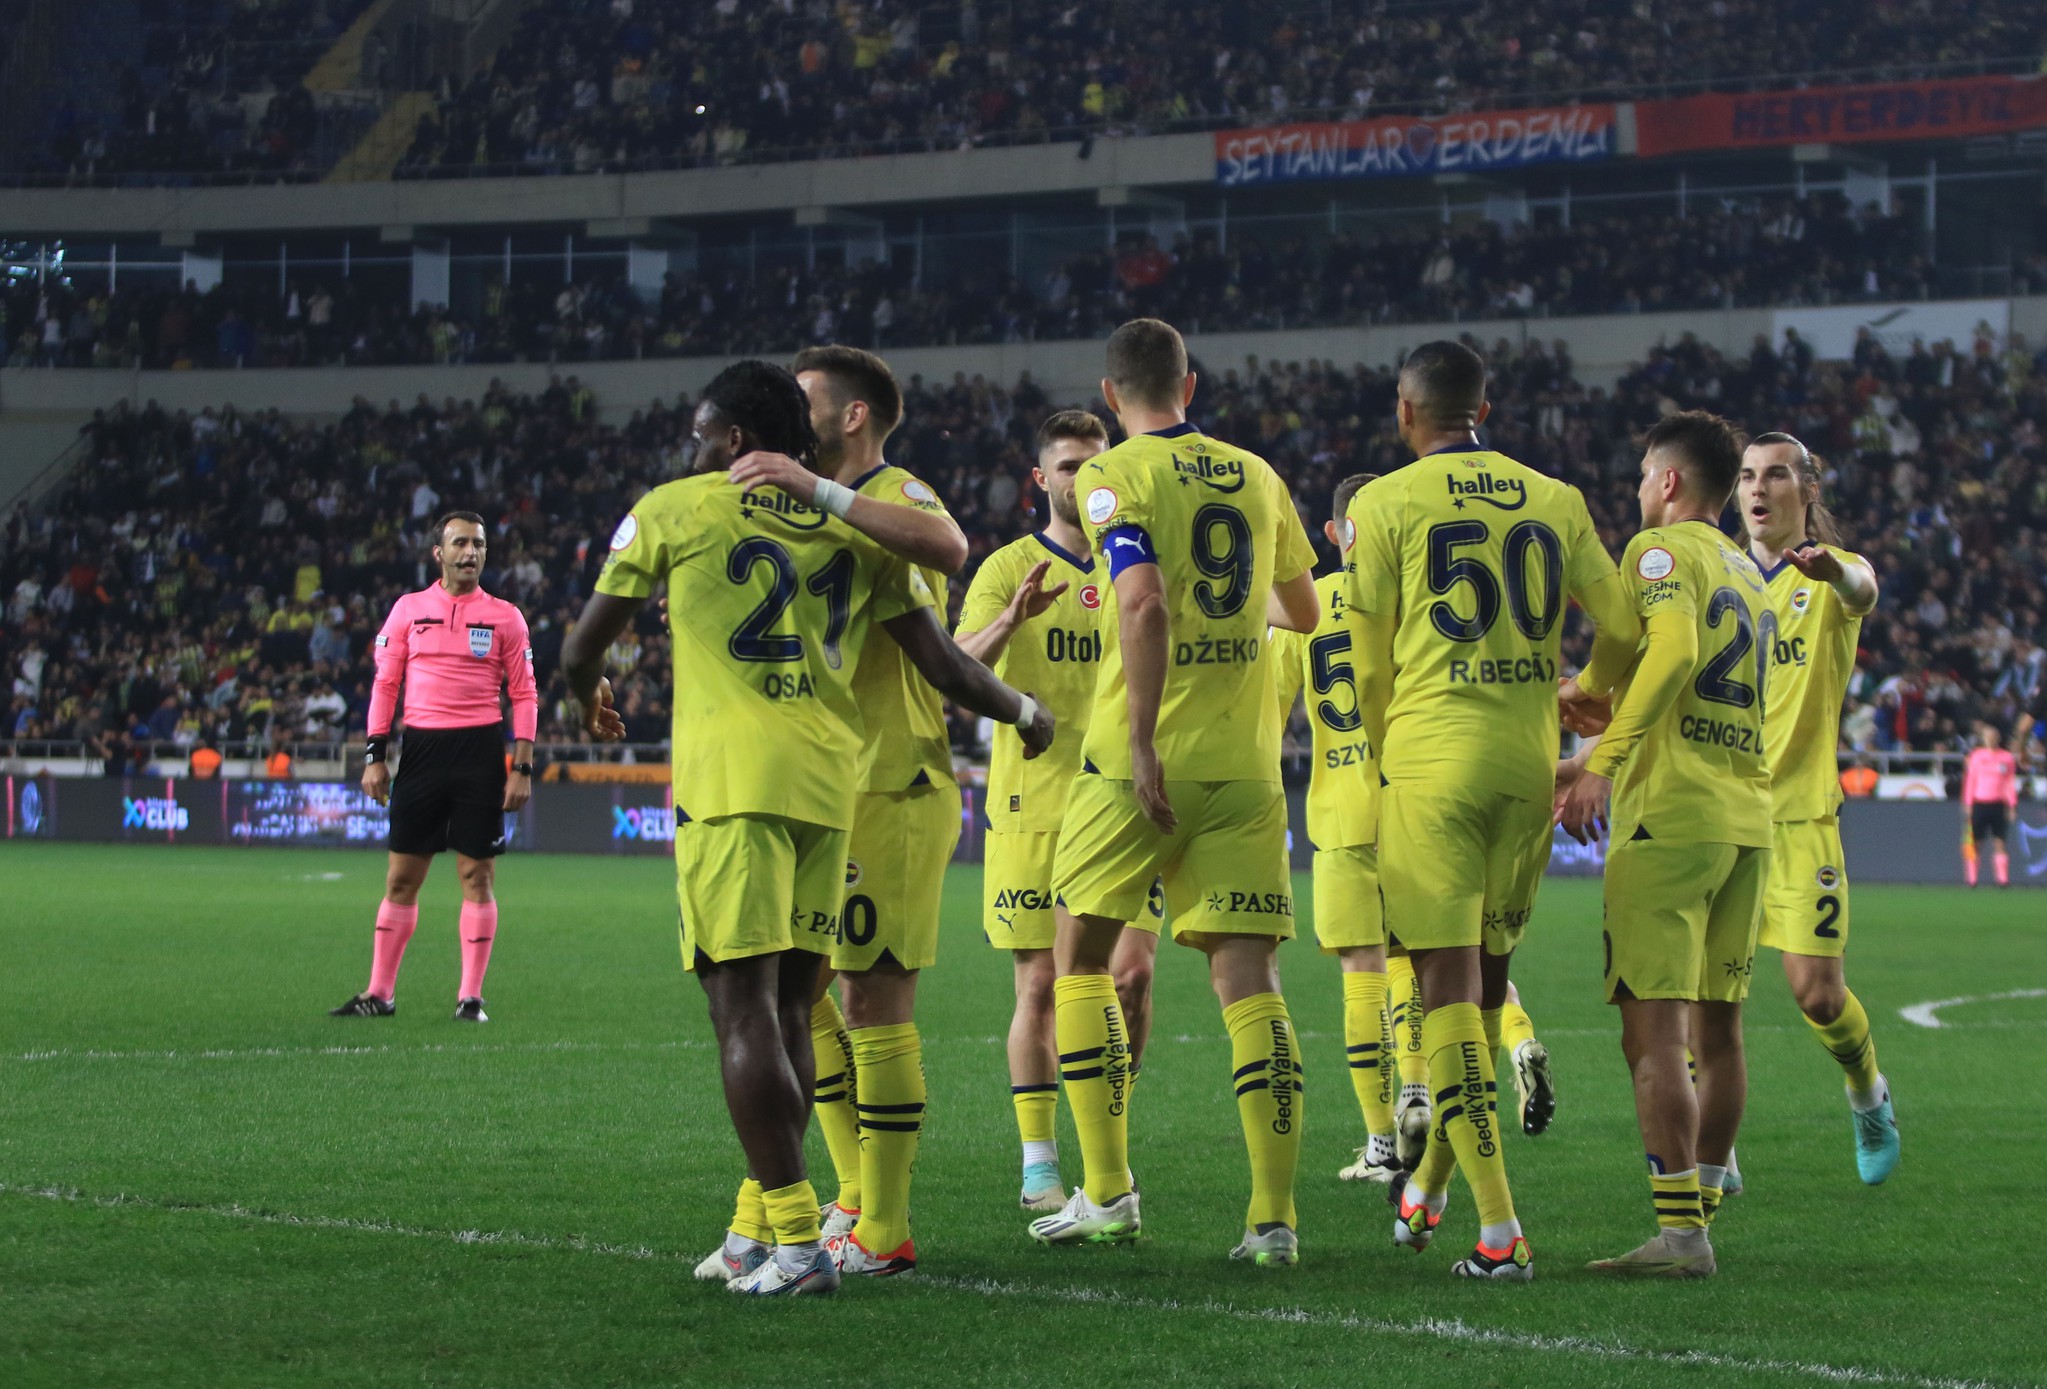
1926,1014
1440,1328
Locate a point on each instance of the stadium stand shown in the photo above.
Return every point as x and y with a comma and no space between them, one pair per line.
217,578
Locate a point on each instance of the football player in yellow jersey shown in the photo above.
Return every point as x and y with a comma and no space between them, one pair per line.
1180,778
1682,760
1457,568
1819,594
1044,635
771,606
905,826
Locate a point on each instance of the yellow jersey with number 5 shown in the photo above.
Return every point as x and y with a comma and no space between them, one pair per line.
1343,785
1222,529
1699,773
1473,554
771,607
1054,656
907,743
1812,638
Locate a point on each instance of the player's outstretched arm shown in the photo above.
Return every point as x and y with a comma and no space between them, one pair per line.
966,682
930,538
1030,599
605,618
1294,606
1853,579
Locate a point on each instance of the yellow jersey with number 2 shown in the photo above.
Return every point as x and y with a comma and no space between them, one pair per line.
1811,636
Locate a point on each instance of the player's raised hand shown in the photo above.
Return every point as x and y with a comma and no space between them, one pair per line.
1583,714
1816,562
1031,596
1038,736
762,468
1582,811
376,782
1149,779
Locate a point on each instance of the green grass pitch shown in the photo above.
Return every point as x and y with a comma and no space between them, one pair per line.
206,1181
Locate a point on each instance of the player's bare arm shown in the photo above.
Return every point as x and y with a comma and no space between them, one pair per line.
1294,606
1671,650
968,683
605,618
1144,630
929,538
1030,600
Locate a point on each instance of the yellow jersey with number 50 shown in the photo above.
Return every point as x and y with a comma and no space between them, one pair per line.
1811,640
1222,529
1473,555
1343,784
1699,774
907,743
1055,656
771,608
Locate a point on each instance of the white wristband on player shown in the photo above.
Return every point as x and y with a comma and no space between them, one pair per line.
1028,714
833,497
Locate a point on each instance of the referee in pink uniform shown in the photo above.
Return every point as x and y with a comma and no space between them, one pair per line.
451,647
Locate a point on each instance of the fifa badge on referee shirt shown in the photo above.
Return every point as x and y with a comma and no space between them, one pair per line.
479,642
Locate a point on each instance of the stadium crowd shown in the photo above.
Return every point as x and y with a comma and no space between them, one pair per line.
218,578
588,85
1811,250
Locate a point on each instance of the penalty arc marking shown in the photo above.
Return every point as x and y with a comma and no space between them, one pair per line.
1928,1014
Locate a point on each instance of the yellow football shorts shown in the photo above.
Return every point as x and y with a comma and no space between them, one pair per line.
1017,898
757,884
1224,865
1805,907
895,876
1460,868
1347,912
1681,919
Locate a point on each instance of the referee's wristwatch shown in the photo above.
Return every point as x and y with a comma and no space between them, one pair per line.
524,769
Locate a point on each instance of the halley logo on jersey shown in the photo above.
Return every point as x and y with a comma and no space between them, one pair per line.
1493,491
1090,596
781,506
650,822
1223,474
479,642
154,814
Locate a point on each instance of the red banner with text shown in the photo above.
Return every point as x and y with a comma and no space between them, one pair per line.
1841,115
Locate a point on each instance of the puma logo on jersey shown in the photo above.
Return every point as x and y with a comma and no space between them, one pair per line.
1490,490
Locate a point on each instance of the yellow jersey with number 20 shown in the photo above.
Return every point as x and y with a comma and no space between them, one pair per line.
1343,785
1223,529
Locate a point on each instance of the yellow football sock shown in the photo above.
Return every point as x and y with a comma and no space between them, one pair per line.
750,1214
792,1210
1709,1201
1489,1019
1516,1026
1094,1056
1461,1074
890,1061
835,1093
1037,1110
1404,995
1678,1203
1847,1037
1365,1038
1439,1160
1266,1064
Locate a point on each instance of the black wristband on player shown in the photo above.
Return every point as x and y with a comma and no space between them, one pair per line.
377,751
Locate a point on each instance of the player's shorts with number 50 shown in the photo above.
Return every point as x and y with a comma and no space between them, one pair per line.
1805,909
895,876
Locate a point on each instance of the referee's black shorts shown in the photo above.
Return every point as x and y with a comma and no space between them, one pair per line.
1990,820
450,792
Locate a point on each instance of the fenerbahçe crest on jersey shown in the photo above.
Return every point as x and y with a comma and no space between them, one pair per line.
1343,792
1812,658
1055,656
1699,773
1224,530
771,605
1475,554
906,716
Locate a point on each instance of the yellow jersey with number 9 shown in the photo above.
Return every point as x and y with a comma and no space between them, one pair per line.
1698,773
1474,554
1812,640
907,743
771,607
1222,529
1055,656
1343,785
